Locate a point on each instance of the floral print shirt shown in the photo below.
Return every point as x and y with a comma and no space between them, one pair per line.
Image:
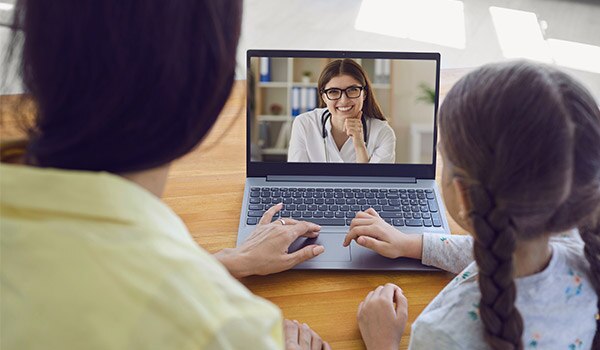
558,304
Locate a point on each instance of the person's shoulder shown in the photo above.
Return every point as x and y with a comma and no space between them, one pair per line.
453,317
310,116
381,126
570,248
459,300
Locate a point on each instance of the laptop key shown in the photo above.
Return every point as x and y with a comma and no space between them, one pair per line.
252,221
255,207
437,222
391,208
432,206
255,213
328,221
427,222
391,214
413,222
398,222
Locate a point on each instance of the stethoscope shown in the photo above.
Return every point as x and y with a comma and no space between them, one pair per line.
324,118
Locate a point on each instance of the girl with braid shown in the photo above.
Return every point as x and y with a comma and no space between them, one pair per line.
521,150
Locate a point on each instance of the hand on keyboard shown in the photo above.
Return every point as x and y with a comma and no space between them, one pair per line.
371,231
266,249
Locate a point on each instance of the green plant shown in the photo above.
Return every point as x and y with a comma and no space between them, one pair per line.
427,94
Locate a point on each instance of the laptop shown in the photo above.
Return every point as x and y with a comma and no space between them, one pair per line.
293,157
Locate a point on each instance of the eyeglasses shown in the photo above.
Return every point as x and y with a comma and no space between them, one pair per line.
351,92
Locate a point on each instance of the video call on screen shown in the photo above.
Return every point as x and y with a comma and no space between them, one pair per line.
283,91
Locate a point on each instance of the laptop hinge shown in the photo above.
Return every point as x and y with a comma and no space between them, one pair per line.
344,179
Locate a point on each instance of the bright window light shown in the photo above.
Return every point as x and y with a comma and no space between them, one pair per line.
440,22
519,34
6,7
575,55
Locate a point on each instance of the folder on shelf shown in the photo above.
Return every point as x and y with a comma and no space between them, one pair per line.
295,101
303,99
265,69
312,99
263,134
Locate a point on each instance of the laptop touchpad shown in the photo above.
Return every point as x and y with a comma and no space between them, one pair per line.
332,243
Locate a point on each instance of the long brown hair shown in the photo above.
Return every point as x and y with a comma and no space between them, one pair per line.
349,67
528,138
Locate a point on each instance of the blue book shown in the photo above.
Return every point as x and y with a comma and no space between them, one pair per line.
265,69
312,99
295,101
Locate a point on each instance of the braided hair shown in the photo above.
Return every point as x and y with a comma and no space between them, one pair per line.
532,169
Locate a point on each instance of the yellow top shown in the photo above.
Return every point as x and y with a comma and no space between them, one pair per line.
93,261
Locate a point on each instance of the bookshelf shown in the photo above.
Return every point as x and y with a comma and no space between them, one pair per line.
272,108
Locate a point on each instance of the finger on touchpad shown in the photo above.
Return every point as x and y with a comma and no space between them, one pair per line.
334,251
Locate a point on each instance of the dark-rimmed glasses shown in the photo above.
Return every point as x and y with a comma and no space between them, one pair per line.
335,93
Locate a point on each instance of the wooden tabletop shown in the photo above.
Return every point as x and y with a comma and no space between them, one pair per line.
205,189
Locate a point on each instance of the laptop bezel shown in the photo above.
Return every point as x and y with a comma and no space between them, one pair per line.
418,171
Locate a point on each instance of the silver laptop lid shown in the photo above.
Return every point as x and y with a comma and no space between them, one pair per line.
290,116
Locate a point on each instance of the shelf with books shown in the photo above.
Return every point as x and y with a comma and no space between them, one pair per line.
274,118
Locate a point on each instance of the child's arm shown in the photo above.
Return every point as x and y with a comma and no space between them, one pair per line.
448,252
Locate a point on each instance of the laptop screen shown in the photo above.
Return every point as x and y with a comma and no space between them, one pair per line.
342,107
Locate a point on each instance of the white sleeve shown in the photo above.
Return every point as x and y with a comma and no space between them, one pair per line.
298,150
422,336
448,252
385,149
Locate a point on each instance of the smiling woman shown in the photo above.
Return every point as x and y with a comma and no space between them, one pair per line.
351,126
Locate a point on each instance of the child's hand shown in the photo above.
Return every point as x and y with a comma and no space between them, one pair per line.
302,337
371,231
382,323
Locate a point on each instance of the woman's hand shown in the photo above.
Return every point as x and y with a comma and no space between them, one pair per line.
371,231
354,128
382,323
265,251
301,337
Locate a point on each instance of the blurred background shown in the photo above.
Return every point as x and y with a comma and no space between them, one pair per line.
467,33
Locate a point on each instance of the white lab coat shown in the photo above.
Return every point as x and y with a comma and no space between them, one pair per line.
308,145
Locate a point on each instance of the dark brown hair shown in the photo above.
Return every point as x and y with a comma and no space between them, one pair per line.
124,86
528,138
349,67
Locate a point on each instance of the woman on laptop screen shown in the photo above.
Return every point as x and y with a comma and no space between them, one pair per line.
349,127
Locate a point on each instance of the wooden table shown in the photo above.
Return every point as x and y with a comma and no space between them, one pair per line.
205,188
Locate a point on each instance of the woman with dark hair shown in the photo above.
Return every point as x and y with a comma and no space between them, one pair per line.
521,150
91,258
348,126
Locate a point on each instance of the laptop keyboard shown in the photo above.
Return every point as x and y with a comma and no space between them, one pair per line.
338,206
